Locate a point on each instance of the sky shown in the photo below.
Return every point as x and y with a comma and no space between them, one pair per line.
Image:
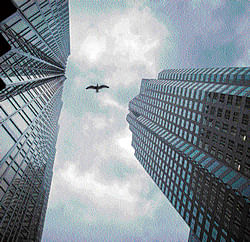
99,191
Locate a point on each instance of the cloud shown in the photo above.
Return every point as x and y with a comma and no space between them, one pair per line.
88,183
106,100
123,44
125,141
92,47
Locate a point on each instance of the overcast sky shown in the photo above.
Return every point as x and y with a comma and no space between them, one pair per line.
99,190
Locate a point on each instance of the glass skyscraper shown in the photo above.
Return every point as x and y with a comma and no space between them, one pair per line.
34,47
191,134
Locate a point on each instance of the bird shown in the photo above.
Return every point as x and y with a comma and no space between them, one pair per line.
97,88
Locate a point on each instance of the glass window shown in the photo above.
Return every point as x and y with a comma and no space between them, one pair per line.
229,176
227,114
224,127
6,142
214,233
230,100
195,211
193,116
8,107
219,112
222,98
207,225
238,101
239,182
245,119
200,218
3,168
198,231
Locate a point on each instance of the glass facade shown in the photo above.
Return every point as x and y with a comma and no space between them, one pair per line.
191,134
34,47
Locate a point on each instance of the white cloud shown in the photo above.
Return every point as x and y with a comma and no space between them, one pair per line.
131,40
124,140
107,100
88,183
92,47
98,143
123,45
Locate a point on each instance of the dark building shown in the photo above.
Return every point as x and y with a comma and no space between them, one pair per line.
191,134
34,47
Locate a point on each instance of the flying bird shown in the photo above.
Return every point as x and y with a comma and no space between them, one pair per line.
97,88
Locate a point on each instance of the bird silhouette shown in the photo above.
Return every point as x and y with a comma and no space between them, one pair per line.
97,88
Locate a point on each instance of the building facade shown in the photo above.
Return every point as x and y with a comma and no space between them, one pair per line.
34,47
191,134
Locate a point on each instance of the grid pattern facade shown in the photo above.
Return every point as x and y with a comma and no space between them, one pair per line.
34,47
173,137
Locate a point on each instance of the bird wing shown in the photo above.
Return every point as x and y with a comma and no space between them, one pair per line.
103,86
91,87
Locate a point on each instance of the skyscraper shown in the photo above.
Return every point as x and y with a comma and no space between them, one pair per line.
34,46
191,134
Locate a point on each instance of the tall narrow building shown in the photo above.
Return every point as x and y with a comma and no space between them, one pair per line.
34,47
191,134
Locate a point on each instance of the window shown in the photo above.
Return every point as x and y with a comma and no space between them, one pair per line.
222,141
193,116
210,123
225,127
206,109
205,237
200,218
207,225
213,150
6,142
195,212
220,154
247,104
244,119
233,130
227,114
243,134
208,134
236,116
215,97
239,149
222,98
200,107
195,106
212,111
219,112
217,125
230,144
238,101
229,100
228,158
198,231
214,233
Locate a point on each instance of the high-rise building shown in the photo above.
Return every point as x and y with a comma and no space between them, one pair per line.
191,134
34,46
